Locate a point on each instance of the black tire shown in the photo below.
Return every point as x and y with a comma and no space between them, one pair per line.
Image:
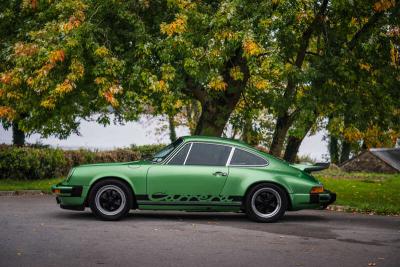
105,196
269,197
323,207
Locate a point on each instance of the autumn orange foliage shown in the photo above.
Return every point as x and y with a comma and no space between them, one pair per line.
383,5
57,56
7,113
23,49
175,27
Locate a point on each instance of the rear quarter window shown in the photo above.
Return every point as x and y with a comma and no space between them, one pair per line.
244,158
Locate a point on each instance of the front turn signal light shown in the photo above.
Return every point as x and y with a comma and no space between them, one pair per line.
317,189
57,191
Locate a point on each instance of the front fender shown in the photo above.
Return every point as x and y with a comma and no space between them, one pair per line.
134,177
114,175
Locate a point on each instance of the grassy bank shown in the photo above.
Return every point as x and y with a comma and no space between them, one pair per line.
14,185
364,192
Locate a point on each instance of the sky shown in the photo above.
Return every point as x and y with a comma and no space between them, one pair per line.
96,136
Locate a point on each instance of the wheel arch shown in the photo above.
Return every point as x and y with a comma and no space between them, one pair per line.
121,179
268,182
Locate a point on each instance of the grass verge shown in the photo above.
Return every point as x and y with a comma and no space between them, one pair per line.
364,192
14,185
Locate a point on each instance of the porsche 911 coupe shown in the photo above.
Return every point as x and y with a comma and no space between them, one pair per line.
196,173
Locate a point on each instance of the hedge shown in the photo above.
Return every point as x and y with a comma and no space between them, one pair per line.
33,163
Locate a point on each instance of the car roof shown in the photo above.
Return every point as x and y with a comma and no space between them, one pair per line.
218,140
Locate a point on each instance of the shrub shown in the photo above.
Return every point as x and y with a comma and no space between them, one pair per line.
32,163
147,151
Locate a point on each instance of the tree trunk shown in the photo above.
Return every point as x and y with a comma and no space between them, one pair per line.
283,124
334,149
284,121
294,142
345,153
217,107
193,114
292,148
172,131
214,116
18,135
247,132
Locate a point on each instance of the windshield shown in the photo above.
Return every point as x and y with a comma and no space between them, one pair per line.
163,153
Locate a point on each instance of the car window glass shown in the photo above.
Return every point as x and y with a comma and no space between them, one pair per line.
243,158
164,153
208,154
179,158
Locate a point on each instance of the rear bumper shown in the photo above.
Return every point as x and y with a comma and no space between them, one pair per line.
324,199
312,201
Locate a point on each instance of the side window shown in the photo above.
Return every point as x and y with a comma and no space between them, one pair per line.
208,154
179,158
244,158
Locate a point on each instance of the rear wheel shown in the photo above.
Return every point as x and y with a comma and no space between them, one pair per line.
110,199
266,203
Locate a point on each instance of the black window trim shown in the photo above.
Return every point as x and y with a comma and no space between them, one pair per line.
173,153
199,142
233,148
187,154
248,165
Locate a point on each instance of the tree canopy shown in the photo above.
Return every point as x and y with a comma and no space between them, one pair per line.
270,71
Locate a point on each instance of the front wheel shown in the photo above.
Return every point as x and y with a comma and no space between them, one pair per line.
110,199
266,203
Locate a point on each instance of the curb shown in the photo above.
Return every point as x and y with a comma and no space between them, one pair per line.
22,192
355,210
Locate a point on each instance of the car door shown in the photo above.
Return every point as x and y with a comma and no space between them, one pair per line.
198,172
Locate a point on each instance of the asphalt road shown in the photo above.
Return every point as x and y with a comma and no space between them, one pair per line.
34,231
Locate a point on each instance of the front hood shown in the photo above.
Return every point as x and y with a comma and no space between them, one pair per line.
113,164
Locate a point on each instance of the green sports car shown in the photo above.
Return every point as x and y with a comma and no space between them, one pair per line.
196,173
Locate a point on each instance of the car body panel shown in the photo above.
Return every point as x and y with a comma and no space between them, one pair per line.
190,180
189,187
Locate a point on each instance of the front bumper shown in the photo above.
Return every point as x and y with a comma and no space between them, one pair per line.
67,190
69,196
323,199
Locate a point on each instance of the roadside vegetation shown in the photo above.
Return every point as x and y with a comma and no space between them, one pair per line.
16,185
37,163
364,192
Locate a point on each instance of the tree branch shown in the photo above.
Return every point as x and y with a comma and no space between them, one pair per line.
307,34
368,26
196,91
313,53
291,85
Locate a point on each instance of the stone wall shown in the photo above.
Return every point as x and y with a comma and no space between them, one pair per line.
367,162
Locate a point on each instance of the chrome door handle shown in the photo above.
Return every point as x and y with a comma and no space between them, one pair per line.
220,174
